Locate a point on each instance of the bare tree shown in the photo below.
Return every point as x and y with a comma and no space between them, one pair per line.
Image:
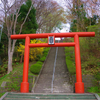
91,7
48,14
44,9
11,13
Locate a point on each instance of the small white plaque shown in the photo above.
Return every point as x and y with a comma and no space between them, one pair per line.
51,40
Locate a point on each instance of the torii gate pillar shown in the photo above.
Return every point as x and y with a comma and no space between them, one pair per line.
79,85
25,84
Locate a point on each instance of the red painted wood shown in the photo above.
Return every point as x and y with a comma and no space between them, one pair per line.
52,45
25,84
45,35
79,85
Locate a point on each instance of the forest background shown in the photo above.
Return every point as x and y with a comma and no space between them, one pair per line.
47,16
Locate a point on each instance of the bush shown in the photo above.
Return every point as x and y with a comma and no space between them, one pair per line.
45,54
3,69
46,50
35,53
97,76
35,69
38,57
39,62
42,59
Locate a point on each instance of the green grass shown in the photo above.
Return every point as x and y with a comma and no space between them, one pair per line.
17,69
70,60
1,94
98,94
94,89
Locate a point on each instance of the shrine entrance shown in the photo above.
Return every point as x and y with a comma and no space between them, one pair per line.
79,85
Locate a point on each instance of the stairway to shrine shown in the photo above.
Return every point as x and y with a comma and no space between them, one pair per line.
54,77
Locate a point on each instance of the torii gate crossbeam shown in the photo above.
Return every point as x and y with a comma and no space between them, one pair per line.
79,85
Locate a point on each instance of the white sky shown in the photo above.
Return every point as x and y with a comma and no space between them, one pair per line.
61,2
66,26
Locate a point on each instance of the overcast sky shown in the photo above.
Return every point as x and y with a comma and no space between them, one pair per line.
65,26
61,2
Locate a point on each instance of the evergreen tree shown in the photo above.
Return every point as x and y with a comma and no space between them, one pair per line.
30,25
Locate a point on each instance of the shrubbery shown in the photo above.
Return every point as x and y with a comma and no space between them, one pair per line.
35,69
90,59
42,59
35,53
39,62
45,52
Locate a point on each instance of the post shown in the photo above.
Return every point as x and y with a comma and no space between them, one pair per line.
79,85
25,84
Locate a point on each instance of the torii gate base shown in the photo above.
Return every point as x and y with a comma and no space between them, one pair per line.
79,85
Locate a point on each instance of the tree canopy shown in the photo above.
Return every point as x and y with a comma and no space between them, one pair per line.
30,25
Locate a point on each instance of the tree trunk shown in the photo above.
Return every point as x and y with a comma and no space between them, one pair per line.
10,54
9,62
21,60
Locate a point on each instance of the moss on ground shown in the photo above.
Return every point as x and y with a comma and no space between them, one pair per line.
70,60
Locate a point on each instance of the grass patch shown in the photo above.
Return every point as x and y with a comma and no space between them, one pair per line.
94,89
98,94
17,69
90,66
1,94
14,78
70,60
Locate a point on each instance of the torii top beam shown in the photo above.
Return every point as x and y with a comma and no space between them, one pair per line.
45,35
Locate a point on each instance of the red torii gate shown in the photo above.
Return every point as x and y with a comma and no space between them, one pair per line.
79,85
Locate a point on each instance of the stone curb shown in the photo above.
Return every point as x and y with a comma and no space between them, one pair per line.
3,96
97,96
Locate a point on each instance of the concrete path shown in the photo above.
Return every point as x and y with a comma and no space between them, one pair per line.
61,75
61,79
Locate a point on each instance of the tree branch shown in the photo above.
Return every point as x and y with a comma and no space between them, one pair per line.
95,2
25,18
